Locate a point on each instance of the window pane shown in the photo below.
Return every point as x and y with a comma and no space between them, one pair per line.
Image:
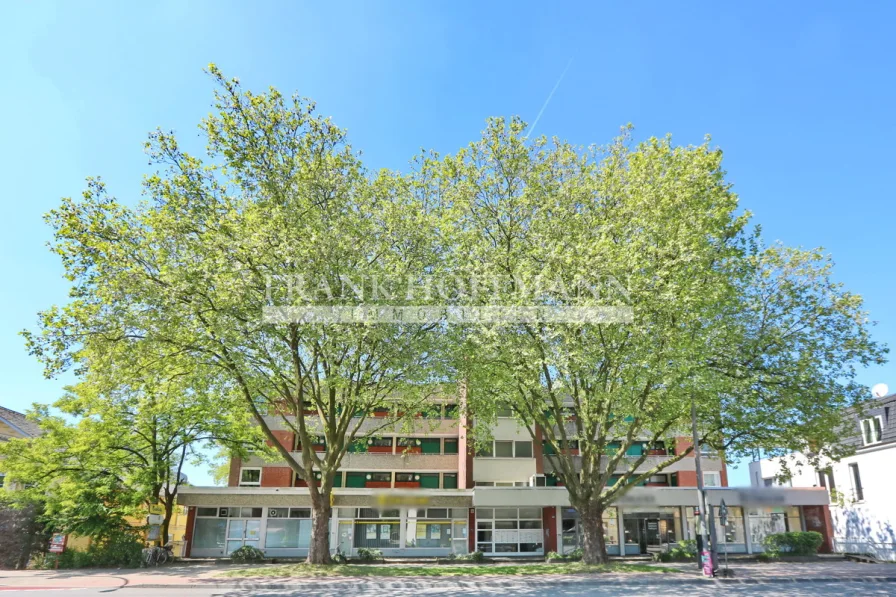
506,513
278,513
206,511
532,513
282,533
524,449
505,524
484,513
306,513
250,476
437,513
485,451
450,446
504,449
209,533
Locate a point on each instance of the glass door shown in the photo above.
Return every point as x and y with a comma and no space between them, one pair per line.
241,531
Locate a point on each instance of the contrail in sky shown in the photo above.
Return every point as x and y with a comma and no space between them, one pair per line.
547,101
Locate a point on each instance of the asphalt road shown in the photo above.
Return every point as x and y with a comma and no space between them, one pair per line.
486,589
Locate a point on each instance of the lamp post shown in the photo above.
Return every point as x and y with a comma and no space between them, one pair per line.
704,551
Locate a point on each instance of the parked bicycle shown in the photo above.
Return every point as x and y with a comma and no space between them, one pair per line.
156,555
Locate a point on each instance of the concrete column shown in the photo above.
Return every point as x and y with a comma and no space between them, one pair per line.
620,528
559,528
747,533
403,529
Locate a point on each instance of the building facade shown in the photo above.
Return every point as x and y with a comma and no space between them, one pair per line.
423,492
862,485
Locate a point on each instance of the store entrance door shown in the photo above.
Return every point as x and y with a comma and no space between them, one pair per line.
650,533
242,532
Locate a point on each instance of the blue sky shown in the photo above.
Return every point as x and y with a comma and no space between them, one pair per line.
800,98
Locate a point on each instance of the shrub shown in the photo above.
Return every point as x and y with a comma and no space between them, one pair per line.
247,555
797,543
573,556
339,557
121,550
369,555
683,551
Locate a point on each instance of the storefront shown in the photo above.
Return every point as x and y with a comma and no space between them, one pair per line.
499,521
509,531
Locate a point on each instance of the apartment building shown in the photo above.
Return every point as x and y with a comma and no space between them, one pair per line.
423,492
863,518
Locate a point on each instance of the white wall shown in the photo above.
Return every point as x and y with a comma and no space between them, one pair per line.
868,525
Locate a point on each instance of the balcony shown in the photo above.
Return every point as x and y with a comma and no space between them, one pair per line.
399,462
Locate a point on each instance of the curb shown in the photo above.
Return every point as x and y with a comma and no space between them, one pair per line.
516,583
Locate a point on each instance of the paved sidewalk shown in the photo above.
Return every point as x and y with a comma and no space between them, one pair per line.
209,575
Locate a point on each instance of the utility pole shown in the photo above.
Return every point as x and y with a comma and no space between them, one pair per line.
705,552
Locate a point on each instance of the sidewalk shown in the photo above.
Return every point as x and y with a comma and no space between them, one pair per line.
207,575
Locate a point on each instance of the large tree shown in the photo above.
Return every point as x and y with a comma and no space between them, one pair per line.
109,453
279,213
760,340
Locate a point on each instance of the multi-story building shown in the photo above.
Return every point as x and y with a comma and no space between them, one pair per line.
862,485
423,492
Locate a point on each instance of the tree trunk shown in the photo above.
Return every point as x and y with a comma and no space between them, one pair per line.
166,523
319,549
594,546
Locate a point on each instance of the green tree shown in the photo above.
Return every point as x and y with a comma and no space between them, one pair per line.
281,202
113,452
760,339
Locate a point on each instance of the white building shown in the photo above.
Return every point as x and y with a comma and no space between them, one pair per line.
862,486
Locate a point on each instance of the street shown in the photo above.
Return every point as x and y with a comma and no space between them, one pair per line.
488,588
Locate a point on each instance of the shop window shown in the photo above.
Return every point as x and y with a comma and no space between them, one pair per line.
209,533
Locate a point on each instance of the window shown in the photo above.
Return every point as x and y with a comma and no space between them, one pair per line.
250,476
506,449
505,412
857,490
503,449
712,479
449,481
450,446
2,479
871,430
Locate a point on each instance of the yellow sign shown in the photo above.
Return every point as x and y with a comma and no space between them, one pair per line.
385,500
157,509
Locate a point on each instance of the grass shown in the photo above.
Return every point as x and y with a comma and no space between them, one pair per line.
360,570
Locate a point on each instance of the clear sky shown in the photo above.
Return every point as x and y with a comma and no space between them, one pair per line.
801,99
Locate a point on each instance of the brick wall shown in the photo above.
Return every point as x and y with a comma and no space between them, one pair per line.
233,478
276,476
286,438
